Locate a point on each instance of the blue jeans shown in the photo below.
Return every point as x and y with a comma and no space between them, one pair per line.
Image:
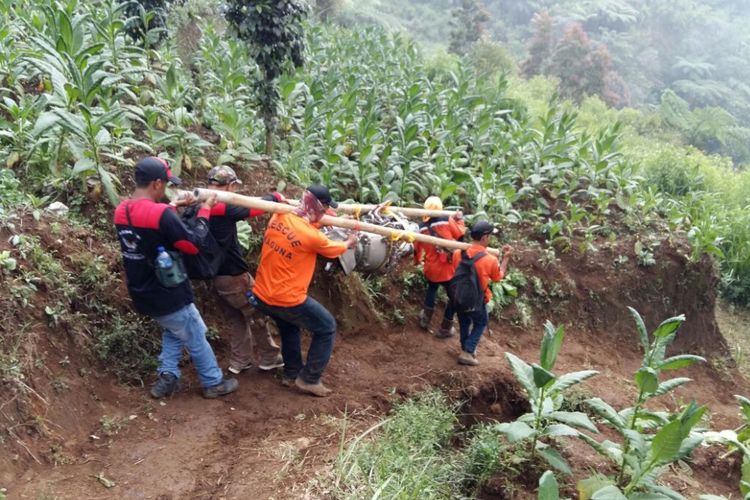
431,297
185,328
472,326
314,317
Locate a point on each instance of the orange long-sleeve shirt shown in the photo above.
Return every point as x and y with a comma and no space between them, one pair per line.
287,260
488,268
437,264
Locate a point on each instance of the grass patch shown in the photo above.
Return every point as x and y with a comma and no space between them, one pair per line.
408,455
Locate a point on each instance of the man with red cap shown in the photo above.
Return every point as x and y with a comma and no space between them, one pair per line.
152,237
233,280
291,245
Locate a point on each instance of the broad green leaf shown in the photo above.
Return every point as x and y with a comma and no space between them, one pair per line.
744,407
548,488
711,497
45,122
83,165
605,411
745,476
574,418
640,327
560,430
587,487
669,326
669,385
609,493
515,431
553,458
646,380
542,377
681,361
606,448
551,344
570,379
523,373
666,445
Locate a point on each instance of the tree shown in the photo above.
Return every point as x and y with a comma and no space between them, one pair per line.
470,19
275,36
541,46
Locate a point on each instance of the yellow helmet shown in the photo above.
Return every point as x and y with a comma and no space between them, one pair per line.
432,203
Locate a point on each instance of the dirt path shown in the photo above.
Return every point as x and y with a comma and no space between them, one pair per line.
267,441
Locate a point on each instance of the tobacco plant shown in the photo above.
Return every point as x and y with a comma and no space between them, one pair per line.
544,391
651,440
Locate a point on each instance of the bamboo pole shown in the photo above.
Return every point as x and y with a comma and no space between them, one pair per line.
357,209
327,220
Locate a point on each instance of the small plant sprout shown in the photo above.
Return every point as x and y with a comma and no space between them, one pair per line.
545,391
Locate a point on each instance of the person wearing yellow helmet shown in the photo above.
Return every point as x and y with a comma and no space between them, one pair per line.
438,268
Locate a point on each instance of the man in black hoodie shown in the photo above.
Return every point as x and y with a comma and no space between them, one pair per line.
233,280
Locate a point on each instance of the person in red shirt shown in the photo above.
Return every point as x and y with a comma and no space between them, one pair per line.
144,228
233,280
438,268
290,248
472,324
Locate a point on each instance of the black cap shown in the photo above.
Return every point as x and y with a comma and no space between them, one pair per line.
481,228
322,194
152,168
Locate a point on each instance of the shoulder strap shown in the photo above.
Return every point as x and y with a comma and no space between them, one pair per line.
477,257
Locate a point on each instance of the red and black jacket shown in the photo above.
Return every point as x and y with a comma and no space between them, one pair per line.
142,226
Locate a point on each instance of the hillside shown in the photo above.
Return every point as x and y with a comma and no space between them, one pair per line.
606,207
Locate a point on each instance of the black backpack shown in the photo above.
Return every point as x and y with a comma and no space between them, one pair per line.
463,289
210,255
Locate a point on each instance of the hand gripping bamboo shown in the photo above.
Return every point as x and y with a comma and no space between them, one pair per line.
327,220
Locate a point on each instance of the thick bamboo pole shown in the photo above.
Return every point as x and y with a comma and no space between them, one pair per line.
327,220
354,208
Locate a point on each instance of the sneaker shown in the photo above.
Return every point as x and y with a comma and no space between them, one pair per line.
166,385
315,389
239,368
467,358
225,387
277,362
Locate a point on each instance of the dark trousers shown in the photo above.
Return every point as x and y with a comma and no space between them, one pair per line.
290,320
472,327
431,297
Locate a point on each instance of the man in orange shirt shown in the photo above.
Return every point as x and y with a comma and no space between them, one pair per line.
438,267
472,324
291,245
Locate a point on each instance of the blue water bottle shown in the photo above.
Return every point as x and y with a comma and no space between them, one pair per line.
251,298
163,259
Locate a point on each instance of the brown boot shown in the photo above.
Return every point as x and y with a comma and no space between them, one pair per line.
467,358
425,316
446,329
315,389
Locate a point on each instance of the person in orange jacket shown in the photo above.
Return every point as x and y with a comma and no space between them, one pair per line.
291,245
438,268
472,324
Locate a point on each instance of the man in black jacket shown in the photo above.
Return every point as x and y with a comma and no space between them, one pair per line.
144,226
233,280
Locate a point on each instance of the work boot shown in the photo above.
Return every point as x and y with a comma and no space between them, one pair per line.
425,316
315,389
225,387
277,362
166,385
446,329
467,358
